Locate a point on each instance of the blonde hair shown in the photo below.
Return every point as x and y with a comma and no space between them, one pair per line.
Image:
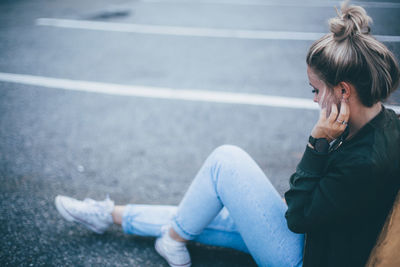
349,53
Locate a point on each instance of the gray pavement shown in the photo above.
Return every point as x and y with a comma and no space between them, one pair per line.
142,150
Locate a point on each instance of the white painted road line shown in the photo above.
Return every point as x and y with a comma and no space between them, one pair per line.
159,92
189,31
164,93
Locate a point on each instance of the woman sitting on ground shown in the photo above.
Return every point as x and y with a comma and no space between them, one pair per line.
339,196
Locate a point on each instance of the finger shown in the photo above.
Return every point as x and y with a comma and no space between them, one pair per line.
322,114
334,114
344,112
345,105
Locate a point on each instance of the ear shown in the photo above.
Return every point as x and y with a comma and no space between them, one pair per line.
344,89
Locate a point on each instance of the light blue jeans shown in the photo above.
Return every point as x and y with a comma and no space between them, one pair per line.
230,203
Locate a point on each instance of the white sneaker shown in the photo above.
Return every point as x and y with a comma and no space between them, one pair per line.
95,215
174,252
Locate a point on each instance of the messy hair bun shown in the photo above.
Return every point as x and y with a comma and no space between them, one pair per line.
349,53
350,21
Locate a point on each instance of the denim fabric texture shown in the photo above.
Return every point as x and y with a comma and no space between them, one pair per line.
230,203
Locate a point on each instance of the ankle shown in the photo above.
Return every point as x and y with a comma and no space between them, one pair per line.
174,236
117,214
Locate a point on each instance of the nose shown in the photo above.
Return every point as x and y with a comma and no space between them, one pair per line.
315,98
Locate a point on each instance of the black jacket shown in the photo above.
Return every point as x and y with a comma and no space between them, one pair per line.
340,200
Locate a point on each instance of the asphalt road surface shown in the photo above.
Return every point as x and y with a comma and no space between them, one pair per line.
60,133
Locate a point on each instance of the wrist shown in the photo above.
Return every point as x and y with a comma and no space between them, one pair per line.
318,132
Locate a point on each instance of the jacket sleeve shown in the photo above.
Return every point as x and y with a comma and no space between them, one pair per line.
318,198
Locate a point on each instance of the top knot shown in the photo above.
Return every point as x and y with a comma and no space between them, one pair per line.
350,21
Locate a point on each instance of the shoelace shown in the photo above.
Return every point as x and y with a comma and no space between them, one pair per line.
105,204
92,201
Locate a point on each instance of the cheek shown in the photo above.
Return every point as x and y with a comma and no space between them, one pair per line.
321,97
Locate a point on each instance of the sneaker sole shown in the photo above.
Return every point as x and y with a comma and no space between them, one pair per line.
188,264
66,215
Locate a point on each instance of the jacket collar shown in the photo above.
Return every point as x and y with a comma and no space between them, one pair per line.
377,122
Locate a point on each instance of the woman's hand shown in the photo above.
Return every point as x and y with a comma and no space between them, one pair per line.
333,126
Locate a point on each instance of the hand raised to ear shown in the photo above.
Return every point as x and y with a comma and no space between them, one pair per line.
332,127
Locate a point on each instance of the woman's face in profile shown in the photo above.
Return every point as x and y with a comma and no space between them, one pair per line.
322,95
319,87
